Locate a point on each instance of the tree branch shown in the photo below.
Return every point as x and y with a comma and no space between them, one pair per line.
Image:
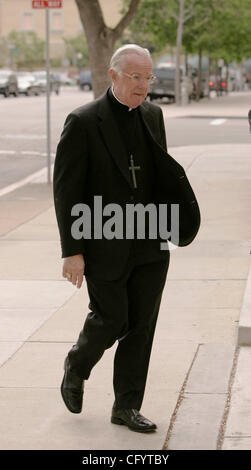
188,13
126,19
187,17
173,15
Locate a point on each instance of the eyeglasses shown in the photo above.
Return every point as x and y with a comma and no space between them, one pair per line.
136,77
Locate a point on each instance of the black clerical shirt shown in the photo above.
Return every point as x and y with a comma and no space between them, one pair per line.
136,142
134,136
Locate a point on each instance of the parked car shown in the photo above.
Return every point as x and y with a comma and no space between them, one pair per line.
8,83
217,84
41,78
164,84
204,86
85,80
64,79
27,84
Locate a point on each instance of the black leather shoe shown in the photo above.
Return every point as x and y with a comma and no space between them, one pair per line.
72,389
133,419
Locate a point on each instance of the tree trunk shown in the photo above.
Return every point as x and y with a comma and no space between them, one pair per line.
208,73
186,64
178,51
101,39
198,89
227,78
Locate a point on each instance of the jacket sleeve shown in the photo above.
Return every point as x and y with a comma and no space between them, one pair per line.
69,178
162,131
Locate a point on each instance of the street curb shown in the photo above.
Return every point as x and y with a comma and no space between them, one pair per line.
244,328
206,387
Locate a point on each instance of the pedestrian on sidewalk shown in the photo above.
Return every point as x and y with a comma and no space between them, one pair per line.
115,148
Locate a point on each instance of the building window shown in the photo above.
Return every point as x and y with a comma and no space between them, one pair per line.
57,21
27,21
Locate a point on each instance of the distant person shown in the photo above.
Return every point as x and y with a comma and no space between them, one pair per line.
115,147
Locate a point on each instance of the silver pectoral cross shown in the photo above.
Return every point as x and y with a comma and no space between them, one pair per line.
132,168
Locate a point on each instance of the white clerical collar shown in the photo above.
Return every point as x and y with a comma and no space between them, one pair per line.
129,109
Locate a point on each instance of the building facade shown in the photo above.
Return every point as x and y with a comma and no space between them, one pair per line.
18,15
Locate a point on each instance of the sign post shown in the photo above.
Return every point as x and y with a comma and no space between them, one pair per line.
46,4
48,92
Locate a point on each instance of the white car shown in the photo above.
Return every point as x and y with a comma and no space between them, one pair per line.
66,80
27,84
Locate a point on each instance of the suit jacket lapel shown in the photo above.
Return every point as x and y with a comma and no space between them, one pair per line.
112,137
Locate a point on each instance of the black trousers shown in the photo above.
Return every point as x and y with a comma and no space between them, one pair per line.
125,310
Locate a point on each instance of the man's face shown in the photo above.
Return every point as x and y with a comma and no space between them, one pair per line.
132,91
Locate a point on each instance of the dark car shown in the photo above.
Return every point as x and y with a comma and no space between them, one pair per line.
164,84
8,83
85,80
41,79
204,86
217,84
27,84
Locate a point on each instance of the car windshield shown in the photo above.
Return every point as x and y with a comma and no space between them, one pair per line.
164,73
39,74
85,73
24,75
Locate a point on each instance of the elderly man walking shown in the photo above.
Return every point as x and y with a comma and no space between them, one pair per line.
115,148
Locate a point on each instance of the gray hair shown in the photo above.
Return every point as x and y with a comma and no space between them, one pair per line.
120,53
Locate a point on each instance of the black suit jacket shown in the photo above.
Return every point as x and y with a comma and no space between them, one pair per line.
91,161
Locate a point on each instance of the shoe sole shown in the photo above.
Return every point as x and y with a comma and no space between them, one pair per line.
121,423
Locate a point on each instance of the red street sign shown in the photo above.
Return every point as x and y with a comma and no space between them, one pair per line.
46,3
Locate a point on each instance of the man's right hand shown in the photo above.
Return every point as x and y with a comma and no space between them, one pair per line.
73,269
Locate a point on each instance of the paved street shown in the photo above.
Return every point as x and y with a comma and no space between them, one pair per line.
23,127
23,131
212,121
194,359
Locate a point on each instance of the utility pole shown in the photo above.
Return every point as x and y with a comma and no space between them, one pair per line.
46,5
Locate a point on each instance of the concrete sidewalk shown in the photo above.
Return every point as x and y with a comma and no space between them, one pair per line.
194,364
227,106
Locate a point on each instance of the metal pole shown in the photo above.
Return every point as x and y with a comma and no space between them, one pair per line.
48,95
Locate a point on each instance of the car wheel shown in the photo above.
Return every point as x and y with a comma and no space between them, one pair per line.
86,87
6,93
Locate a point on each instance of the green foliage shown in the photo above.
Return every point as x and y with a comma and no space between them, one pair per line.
151,26
218,27
221,28
26,48
3,51
77,50
233,41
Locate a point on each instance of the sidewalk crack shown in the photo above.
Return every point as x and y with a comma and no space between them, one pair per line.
221,435
179,401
